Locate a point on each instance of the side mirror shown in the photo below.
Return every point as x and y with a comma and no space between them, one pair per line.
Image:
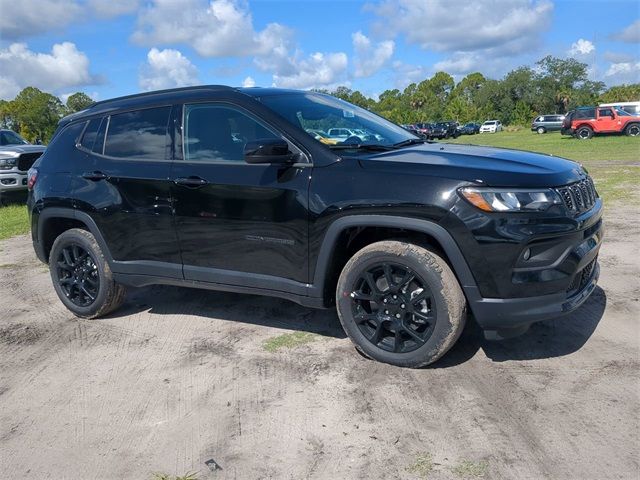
267,150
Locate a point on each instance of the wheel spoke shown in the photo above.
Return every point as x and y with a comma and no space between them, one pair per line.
418,298
423,316
66,280
377,335
397,341
406,280
371,282
76,253
388,275
413,334
67,257
365,317
64,266
84,290
359,295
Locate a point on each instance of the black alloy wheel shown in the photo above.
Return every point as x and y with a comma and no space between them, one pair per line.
77,274
393,307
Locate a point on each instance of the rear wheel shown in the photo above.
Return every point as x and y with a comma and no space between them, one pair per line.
540,130
584,133
632,130
400,304
81,276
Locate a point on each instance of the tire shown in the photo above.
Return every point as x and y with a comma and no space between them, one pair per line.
430,307
79,272
632,130
584,133
541,130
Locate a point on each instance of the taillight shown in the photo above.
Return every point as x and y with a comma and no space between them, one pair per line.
32,176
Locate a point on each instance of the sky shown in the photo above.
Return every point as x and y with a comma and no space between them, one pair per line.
108,48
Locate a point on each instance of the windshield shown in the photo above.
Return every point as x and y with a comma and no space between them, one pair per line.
336,123
8,137
622,113
489,123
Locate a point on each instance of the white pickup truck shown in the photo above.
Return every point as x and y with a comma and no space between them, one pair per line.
16,157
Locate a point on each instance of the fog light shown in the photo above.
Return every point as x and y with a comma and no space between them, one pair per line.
527,254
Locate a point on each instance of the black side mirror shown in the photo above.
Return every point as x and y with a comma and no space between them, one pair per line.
268,150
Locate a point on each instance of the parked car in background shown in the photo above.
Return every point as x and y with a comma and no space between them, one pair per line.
470,128
405,238
425,130
16,157
491,126
547,123
630,107
585,122
322,136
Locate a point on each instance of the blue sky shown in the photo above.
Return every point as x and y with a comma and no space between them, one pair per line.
108,48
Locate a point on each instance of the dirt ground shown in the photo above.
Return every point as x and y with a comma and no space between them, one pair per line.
181,378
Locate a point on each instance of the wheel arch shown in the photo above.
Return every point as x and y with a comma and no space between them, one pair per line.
333,253
54,221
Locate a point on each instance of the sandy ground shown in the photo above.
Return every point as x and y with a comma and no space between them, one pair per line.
180,377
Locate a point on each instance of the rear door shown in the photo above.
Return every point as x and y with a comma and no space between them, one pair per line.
237,223
124,186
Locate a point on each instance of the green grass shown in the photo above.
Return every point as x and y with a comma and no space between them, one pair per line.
13,221
612,161
605,148
469,469
422,466
289,340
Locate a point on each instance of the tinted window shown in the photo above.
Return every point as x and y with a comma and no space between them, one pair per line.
219,133
585,113
90,133
11,138
605,112
98,145
140,134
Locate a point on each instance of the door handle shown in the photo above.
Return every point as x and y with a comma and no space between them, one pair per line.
95,176
191,182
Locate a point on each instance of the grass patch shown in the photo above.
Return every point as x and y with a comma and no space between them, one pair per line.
605,148
422,466
289,340
10,265
164,476
469,469
617,182
14,220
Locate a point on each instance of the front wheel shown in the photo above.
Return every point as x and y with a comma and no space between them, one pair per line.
81,276
540,130
632,130
400,304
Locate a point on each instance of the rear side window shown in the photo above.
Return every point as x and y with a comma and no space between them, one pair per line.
90,133
140,134
586,113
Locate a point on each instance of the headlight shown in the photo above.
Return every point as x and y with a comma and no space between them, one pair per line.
8,163
510,199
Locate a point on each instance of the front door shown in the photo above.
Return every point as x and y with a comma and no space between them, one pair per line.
606,122
237,223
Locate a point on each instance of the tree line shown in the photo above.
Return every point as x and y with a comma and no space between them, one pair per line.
553,85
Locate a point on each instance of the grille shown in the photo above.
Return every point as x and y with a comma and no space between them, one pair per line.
582,277
580,196
26,160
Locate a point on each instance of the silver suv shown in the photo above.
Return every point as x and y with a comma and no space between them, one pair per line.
16,157
547,123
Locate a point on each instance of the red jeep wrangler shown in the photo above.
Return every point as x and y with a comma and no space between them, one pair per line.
584,122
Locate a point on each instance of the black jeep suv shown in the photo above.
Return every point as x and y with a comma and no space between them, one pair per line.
223,188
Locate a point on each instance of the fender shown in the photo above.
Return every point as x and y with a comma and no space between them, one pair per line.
450,247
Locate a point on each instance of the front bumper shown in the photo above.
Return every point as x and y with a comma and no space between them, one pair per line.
12,181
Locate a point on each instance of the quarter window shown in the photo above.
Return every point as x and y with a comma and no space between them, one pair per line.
219,133
140,134
90,133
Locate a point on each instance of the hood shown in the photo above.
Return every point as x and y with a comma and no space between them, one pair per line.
490,166
20,149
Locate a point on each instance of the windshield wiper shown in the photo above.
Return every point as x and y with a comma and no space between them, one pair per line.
371,147
410,141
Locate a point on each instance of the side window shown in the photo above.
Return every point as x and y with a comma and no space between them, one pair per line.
140,134
219,133
605,112
90,133
98,144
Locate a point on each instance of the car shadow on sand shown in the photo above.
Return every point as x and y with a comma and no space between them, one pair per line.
551,338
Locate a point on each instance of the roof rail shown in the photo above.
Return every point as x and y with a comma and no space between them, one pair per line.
158,92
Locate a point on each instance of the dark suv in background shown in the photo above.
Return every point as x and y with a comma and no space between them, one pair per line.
547,123
222,188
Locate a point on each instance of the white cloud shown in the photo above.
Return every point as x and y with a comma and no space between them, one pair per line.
630,34
616,57
460,63
167,69
370,58
248,82
20,19
581,47
220,28
624,72
63,68
316,71
498,26
113,8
